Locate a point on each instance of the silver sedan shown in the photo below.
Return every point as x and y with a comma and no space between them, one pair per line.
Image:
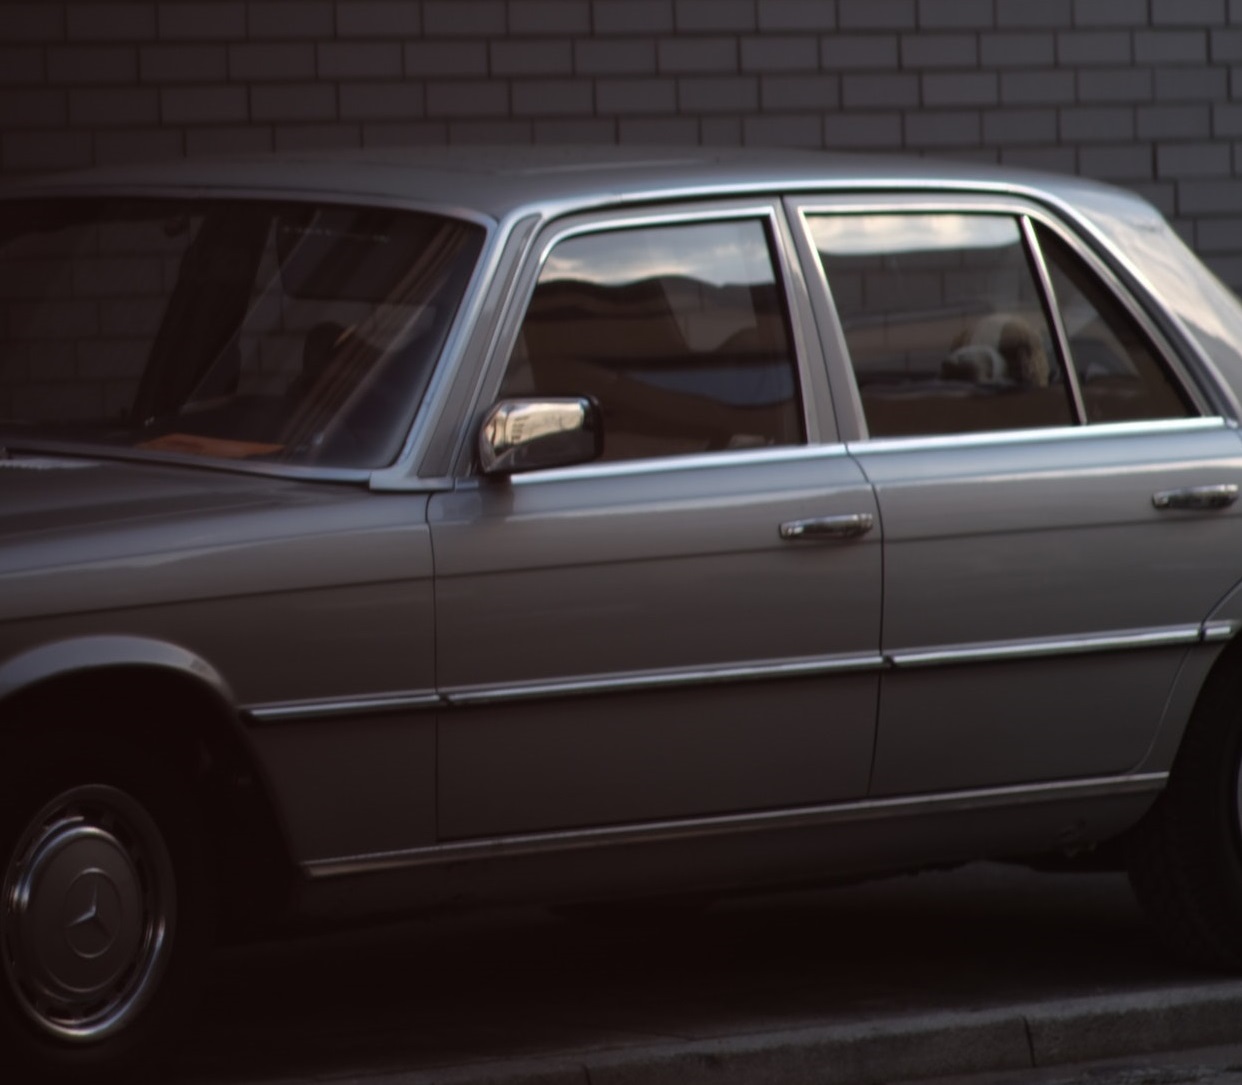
405,529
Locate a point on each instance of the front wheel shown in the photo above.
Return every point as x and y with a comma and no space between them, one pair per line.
1185,857
102,917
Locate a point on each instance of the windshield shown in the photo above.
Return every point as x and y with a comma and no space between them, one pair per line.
250,331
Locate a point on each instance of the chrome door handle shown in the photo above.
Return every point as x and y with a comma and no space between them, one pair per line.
1197,497
829,527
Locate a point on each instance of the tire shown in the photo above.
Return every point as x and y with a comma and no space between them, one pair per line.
1185,857
104,916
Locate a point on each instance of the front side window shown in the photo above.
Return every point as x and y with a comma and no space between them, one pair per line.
678,332
251,331
944,322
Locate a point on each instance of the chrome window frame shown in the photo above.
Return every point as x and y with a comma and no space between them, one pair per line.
1041,434
847,400
1056,323
450,398
813,387
1167,358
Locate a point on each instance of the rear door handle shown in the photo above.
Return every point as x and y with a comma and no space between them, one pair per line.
829,527
1197,497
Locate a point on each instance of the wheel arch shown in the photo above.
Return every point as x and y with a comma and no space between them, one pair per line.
1204,666
132,683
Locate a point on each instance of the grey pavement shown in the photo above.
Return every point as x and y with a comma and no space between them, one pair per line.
1198,1066
985,970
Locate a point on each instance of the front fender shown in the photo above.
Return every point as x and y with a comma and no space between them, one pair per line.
254,838
81,655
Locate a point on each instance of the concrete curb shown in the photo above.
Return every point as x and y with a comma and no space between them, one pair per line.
885,1050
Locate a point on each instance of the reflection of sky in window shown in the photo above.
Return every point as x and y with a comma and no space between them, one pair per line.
717,253
876,235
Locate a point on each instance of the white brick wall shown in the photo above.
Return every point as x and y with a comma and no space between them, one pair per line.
1146,93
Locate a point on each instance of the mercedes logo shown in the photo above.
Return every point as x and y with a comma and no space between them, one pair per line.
92,914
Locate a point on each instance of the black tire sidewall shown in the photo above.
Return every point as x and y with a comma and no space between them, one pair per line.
1187,855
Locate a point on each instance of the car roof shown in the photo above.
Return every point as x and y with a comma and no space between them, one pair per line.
499,181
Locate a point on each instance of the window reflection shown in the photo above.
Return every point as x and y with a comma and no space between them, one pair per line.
944,322
1118,371
678,332
290,332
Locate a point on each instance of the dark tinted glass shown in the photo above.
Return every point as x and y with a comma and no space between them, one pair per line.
678,332
945,326
1118,369
246,330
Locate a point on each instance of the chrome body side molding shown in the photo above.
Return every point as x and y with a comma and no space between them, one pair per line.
1006,651
745,672
409,700
1039,648
1214,632
692,828
345,706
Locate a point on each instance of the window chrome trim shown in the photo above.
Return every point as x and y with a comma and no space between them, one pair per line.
455,697
746,206
1194,375
471,304
1209,391
845,813
609,221
1145,427
1169,357
903,201
659,465
447,437
1056,322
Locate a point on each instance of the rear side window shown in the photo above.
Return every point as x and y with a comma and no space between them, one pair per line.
679,332
1118,369
944,322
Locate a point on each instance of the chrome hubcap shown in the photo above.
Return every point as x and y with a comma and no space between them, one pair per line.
88,903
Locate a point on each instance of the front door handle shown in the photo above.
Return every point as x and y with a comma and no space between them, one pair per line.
1197,497
829,527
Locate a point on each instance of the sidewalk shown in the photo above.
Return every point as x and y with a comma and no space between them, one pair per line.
984,969
884,1051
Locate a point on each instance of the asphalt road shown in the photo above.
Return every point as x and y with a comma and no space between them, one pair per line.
434,995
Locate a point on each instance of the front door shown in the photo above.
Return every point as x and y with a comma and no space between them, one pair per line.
690,626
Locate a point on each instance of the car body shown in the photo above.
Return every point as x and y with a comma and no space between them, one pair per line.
404,529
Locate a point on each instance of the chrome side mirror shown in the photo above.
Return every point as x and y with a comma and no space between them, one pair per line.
531,434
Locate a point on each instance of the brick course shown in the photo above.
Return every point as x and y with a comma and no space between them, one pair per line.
1145,93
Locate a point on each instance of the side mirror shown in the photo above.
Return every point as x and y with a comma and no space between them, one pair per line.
532,434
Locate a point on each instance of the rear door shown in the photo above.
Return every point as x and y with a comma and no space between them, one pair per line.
689,627
1057,498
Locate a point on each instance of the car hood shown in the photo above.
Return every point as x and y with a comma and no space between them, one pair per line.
47,497
81,535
